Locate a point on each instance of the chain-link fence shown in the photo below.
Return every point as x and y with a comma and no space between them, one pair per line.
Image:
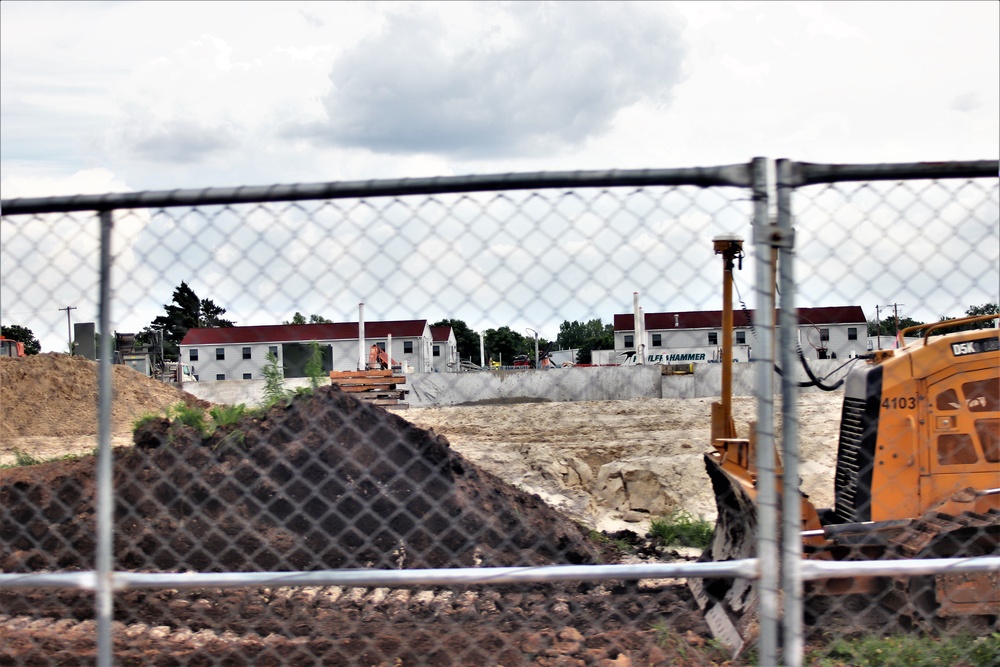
271,525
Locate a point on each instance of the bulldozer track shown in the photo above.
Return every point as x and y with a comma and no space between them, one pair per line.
939,535
943,600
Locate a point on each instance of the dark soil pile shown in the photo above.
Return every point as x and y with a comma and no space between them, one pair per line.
325,481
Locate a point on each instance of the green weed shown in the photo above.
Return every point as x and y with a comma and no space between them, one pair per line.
908,651
227,415
145,419
681,529
22,458
193,417
274,380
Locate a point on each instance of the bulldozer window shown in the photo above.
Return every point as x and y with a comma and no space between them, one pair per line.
956,449
982,395
947,400
988,431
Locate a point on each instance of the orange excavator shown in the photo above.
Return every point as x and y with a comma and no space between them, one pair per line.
379,359
917,476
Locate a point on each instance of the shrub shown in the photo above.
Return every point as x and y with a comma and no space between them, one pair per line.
274,380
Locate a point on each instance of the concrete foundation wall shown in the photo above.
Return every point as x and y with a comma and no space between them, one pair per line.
604,383
564,384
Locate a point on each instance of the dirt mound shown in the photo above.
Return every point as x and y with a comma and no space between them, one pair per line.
326,481
55,395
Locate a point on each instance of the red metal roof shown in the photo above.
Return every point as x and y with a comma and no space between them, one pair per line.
288,333
712,319
441,334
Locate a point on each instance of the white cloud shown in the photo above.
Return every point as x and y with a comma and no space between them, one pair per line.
164,95
534,81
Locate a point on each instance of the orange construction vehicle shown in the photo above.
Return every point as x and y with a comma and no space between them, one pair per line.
379,359
11,348
917,476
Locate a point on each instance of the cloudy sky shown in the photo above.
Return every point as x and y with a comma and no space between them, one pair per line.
109,96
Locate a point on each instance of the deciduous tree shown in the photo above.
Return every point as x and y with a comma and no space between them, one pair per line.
22,335
585,337
466,339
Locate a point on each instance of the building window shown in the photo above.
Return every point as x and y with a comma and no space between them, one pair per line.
437,350
248,376
741,337
220,354
657,340
220,376
713,337
407,347
273,350
246,353
193,355
824,334
629,341
852,333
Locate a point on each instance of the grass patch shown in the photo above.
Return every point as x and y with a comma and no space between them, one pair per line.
145,419
22,458
598,537
681,529
192,417
227,415
909,651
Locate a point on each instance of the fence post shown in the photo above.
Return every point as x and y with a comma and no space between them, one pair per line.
791,552
767,550
103,599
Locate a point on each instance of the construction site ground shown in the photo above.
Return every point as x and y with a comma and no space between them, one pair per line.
523,455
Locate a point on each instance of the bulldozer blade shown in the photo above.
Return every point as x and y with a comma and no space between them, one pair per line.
729,605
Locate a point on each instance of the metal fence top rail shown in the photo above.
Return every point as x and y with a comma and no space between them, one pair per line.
738,175
807,173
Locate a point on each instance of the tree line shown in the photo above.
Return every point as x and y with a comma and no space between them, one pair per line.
889,326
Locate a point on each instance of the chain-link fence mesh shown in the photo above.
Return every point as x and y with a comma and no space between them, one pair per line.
261,522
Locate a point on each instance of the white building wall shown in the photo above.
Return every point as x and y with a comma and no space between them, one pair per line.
447,359
345,356
208,367
840,342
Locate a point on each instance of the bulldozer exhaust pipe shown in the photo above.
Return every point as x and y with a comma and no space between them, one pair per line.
730,246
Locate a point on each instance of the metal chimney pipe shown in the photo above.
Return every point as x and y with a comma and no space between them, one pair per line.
361,337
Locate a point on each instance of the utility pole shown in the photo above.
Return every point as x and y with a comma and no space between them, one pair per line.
69,327
878,328
895,316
